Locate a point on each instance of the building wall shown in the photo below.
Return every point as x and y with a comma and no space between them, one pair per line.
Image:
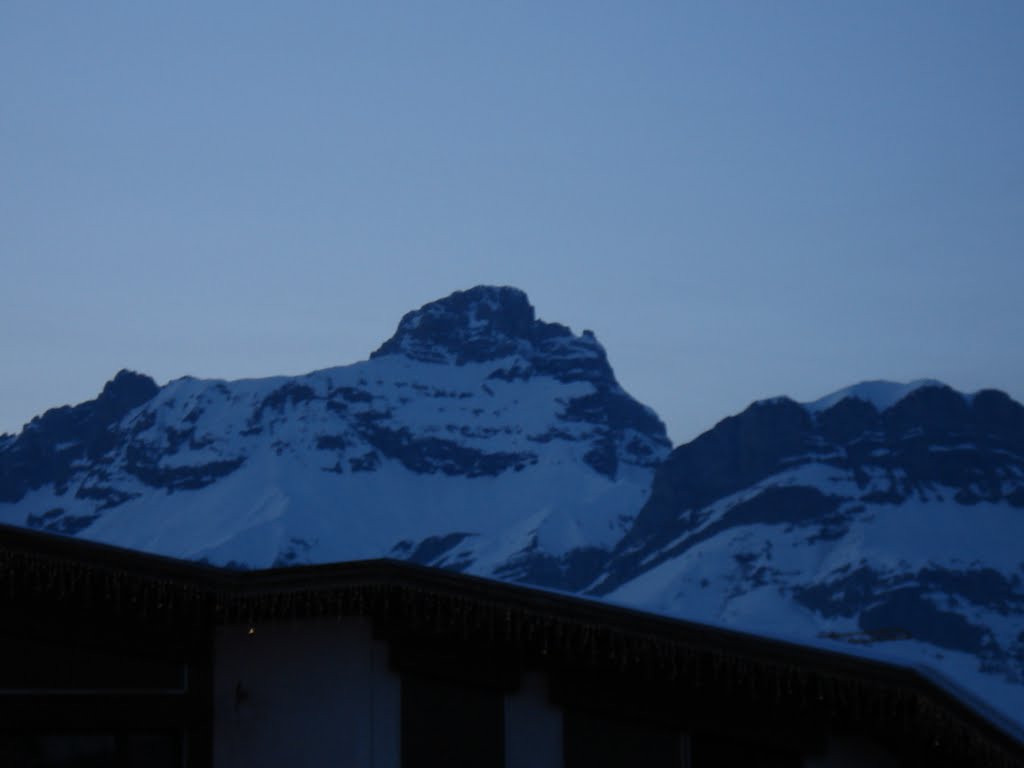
309,693
533,726
319,693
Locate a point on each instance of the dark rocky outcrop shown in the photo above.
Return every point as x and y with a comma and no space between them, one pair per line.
45,450
735,454
477,325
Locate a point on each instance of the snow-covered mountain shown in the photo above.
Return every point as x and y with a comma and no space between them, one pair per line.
476,438
884,518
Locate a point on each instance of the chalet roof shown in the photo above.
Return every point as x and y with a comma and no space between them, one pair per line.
71,578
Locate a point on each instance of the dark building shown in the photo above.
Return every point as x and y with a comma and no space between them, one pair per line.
115,658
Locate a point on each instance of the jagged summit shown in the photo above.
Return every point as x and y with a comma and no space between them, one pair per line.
478,325
128,389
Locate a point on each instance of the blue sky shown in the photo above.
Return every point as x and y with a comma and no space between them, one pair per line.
741,199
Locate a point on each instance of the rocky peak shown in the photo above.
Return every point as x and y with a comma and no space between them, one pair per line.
127,390
738,452
498,325
477,325
51,443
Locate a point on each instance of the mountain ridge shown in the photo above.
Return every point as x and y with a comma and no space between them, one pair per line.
481,439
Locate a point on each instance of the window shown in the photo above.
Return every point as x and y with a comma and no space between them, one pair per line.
85,695
89,749
719,750
450,723
595,741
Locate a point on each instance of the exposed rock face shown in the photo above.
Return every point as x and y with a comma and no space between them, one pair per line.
481,324
46,450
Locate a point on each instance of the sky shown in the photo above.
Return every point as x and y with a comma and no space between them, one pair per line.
741,199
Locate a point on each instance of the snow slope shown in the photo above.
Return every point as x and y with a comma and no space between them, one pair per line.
476,438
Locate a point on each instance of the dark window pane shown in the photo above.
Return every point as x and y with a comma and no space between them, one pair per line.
452,725
44,664
27,749
592,741
721,751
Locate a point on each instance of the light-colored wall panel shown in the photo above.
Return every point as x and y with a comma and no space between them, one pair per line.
304,694
533,727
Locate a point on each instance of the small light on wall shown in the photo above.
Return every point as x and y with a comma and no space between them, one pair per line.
252,631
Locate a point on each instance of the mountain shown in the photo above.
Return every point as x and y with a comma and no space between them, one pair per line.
883,519
477,438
